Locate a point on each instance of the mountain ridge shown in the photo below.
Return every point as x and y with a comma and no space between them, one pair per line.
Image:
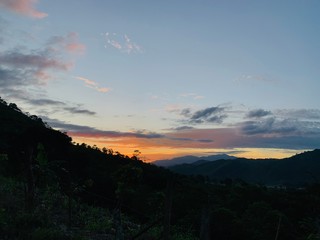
189,159
297,170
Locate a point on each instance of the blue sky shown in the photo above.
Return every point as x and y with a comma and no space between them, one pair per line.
168,77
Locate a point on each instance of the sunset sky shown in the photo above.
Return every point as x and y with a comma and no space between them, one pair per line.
169,78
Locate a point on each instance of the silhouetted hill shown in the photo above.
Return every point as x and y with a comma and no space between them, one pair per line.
191,159
20,131
294,171
51,188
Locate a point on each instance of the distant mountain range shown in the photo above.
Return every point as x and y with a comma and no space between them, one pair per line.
192,159
293,171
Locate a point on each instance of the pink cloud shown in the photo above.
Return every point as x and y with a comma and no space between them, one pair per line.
87,81
189,140
23,7
122,42
42,76
104,90
31,68
115,44
37,66
92,84
75,47
38,61
70,43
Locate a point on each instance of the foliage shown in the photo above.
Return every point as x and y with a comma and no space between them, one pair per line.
82,192
296,171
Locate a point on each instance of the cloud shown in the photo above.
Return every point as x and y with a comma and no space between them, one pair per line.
75,47
281,127
268,126
271,133
282,123
45,102
69,43
23,7
87,131
186,112
182,128
77,110
234,137
313,114
38,60
21,67
255,78
92,84
9,77
191,95
58,106
131,46
258,113
40,104
122,43
207,115
94,133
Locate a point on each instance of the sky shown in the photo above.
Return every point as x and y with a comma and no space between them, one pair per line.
168,78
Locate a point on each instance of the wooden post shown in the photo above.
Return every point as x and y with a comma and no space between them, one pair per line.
69,210
30,188
278,228
118,225
168,206
205,221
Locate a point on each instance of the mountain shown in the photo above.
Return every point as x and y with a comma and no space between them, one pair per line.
191,159
293,171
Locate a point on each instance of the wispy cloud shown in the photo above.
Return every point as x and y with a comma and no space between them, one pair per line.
77,110
255,78
69,43
182,128
131,46
44,105
285,129
268,133
39,60
87,131
258,113
21,67
10,77
207,115
92,84
45,102
264,132
269,126
191,95
282,122
90,132
23,7
121,42
313,114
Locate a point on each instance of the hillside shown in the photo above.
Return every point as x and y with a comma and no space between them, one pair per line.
297,170
37,161
54,189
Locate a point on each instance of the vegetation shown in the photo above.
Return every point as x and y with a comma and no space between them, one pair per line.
295,171
51,188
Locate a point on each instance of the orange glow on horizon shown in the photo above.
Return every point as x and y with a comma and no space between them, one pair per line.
151,153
